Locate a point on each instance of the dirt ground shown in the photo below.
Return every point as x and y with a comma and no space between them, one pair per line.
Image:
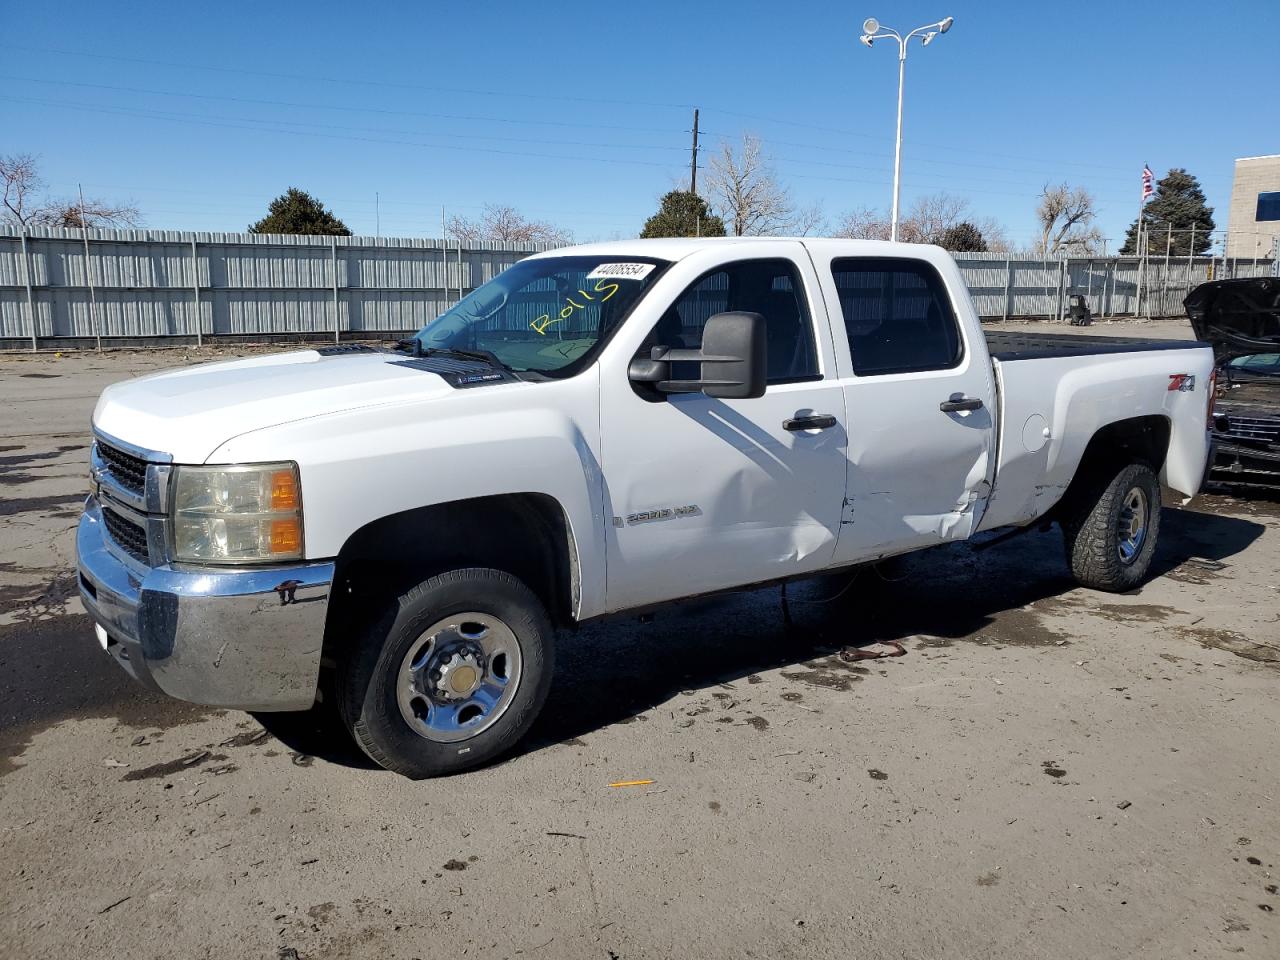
1048,772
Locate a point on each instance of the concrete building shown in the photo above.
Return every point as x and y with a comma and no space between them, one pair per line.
1253,222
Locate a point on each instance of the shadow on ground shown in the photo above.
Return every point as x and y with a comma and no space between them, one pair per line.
53,670
614,671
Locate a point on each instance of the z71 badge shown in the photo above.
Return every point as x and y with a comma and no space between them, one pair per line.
1185,382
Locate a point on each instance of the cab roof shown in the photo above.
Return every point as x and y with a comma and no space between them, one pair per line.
676,248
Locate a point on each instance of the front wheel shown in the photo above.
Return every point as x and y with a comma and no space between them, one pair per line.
1111,534
452,675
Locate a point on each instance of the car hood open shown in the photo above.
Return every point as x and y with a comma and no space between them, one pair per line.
1237,317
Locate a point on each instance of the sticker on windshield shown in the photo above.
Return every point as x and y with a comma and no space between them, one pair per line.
621,271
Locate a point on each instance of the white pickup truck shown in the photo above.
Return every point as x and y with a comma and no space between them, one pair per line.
599,429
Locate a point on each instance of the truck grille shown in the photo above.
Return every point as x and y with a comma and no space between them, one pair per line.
129,471
131,537
1252,429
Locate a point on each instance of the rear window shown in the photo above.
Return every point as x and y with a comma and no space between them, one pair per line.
897,315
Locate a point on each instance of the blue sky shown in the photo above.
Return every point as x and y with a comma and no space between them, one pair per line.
578,113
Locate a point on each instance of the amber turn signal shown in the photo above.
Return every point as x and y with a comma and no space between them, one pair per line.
286,535
284,490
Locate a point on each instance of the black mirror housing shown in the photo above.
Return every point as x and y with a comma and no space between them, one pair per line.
734,356
733,359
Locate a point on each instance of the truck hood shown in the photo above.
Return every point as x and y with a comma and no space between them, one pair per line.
190,412
1238,317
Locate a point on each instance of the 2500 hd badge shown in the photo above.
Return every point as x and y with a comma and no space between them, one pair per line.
666,513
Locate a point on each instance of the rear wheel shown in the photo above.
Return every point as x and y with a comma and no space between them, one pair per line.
451,676
1111,532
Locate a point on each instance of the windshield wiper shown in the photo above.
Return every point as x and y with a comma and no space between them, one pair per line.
414,346
484,355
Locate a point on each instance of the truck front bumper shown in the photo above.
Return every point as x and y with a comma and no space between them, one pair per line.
246,639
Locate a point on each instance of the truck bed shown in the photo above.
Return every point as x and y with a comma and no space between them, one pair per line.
1011,345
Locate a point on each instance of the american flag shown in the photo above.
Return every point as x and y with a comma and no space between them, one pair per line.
1148,180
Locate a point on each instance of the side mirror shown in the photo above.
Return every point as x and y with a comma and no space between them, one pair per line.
734,356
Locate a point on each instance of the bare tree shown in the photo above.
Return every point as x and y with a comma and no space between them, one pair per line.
934,214
809,222
20,180
93,213
21,184
1066,216
927,221
993,232
506,223
864,223
745,191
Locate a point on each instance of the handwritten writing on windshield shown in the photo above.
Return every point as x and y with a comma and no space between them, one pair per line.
572,306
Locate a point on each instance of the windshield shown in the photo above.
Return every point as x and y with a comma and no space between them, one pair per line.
1267,364
547,315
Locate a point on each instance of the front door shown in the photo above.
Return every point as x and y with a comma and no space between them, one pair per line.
920,403
705,493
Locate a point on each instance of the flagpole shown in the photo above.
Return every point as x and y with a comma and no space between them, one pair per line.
1137,241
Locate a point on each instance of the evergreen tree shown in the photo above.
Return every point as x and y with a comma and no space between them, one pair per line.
1178,203
296,211
963,237
683,214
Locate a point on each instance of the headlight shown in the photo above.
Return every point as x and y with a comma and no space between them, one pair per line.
241,514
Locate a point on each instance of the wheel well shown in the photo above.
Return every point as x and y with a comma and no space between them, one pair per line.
1135,440
526,535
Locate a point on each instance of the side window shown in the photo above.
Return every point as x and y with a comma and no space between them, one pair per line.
770,288
897,315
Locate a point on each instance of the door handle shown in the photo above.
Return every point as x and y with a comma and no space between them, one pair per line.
816,421
962,403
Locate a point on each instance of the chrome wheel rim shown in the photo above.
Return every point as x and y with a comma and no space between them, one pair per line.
459,677
1131,525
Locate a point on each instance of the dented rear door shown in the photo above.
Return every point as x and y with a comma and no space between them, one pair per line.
920,400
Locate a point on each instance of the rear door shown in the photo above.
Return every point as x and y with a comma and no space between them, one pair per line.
708,493
919,401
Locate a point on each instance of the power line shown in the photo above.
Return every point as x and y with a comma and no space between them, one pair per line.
888,158
330,106
825,128
173,117
312,78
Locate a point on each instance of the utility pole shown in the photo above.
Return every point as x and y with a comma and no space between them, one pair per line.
444,254
88,275
377,214
693,163
693,177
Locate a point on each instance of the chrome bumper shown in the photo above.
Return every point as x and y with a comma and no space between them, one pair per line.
243,639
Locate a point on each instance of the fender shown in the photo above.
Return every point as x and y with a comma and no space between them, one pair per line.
362,465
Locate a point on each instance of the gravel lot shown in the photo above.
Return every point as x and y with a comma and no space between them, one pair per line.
1049,772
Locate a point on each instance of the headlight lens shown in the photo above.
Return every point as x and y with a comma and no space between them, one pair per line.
249,514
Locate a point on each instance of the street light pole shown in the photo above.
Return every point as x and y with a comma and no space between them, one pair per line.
871,32
897,143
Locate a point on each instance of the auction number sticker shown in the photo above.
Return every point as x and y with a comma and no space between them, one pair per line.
621,271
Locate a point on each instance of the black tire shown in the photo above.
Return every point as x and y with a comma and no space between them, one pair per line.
367,683
1092,535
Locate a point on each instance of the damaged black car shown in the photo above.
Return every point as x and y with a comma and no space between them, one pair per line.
1241,319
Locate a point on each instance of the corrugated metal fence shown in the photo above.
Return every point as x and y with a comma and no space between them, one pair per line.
136,284
1019,287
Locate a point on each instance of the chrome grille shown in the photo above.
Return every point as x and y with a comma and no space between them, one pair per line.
130,536
129,471
1255,429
